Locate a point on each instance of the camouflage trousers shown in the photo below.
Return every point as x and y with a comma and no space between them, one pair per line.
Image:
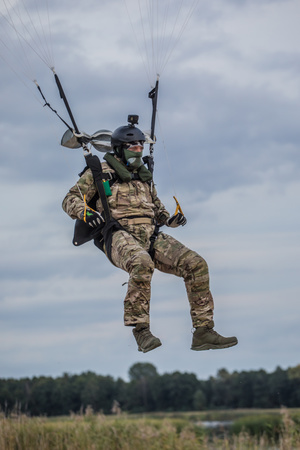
130,253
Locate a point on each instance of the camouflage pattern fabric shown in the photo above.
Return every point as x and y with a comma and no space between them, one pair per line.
130,253
127,199
130,247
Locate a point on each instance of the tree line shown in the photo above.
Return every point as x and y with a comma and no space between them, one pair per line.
147,391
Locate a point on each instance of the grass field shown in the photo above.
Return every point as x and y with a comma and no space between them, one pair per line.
250,429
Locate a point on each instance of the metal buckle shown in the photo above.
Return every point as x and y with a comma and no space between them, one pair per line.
108,176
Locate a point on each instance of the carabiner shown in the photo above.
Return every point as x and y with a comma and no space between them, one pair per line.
178,207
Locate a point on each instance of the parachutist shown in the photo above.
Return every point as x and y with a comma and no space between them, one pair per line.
122,192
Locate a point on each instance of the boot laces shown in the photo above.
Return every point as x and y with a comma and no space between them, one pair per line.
143,334
212,331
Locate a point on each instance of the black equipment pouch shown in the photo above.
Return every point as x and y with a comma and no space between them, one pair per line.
104,235
84,233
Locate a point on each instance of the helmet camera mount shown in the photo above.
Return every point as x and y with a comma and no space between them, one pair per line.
133,119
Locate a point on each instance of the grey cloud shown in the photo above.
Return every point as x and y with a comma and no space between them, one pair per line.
233,150
288,61
244,131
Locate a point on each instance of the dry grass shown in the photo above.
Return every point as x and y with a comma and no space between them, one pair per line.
98,432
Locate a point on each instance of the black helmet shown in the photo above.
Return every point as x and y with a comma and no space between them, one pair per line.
125,134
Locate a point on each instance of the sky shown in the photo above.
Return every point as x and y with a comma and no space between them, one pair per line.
228,147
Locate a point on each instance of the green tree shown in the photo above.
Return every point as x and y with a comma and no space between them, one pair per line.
142,376
175,392
199,401
142,370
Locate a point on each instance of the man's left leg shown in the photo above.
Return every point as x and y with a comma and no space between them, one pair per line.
173,257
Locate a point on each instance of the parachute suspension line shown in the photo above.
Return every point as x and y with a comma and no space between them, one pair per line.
11,66
29,35
158,26
153,14
161,39
169,51
50,107
40,39
19,77
183,27
47,45
25,30
31,30
143,25
138,45
43,43
10,21
150,36
50,34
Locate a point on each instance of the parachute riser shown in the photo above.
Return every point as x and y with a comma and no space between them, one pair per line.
50,107
153,95
65,100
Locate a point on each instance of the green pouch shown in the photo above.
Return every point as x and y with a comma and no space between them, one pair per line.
106,188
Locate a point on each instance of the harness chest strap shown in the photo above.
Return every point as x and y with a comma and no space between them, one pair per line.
136,221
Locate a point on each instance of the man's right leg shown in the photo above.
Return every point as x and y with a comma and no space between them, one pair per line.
127,254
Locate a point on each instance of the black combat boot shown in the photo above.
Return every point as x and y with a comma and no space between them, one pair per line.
206,338
144,338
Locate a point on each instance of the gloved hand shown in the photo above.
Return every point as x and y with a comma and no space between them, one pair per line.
176,220
92,218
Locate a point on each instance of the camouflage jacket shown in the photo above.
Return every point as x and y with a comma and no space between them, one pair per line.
134,198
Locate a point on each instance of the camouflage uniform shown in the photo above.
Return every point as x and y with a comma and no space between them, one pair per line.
130,247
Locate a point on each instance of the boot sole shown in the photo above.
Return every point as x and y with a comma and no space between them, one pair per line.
213,347
151,347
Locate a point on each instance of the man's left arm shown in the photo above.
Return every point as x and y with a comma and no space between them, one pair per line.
163,216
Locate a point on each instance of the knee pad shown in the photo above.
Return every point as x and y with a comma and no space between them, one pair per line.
195,264
141,264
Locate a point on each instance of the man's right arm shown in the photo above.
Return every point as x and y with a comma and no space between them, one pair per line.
73,203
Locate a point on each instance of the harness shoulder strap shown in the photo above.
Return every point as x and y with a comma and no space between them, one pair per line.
111,224
93,162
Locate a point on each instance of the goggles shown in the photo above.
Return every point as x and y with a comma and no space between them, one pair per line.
134,144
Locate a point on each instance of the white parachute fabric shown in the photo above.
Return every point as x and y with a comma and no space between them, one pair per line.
158,26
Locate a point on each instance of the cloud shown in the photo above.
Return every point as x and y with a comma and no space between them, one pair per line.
228,148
